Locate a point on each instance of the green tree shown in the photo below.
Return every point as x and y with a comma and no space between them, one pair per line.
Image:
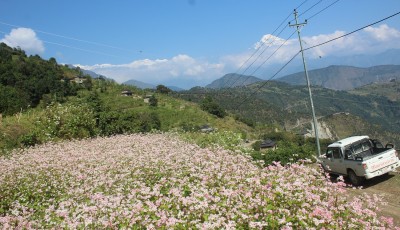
163,89
212,107
153,101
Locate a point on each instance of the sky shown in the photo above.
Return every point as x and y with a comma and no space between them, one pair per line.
189,43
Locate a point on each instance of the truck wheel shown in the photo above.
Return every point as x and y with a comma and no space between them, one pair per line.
354,179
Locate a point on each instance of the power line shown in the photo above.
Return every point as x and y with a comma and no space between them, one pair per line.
77,48
272,54
308,10
262,44
235,81
66,37
352,32
323,9
265,82
317,46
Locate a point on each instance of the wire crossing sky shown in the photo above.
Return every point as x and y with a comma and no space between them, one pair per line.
193,42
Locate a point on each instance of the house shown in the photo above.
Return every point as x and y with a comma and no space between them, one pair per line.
79,80
126,93
268,144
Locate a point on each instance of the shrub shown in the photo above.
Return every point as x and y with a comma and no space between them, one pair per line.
287,152
66,121
212,107
113,122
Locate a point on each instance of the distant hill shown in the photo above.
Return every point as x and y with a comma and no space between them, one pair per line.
344,124
139,84
233,80
143,85
175,88
288,105
345,77
391,90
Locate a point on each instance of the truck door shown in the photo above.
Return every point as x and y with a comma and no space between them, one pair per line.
336,163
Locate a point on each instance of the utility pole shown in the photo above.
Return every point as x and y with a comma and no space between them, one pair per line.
298,25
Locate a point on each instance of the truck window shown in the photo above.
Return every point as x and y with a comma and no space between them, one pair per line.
334,153
337,153
377,144
348,154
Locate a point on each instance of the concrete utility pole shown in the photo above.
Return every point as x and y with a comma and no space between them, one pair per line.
298,25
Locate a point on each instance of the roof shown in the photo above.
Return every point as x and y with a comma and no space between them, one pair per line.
347,141
267,143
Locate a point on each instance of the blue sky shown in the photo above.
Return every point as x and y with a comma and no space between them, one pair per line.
190,42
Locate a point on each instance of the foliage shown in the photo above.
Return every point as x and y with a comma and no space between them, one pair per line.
114,122
65,121
158,181
287,152
25,80
153,101
163,89
257,147
212,107
285,105
223,139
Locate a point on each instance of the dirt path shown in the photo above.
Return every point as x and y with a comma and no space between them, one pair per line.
389,187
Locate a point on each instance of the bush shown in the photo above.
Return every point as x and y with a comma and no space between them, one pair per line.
287,152
256,145
153,101
113,122
66,121
212,107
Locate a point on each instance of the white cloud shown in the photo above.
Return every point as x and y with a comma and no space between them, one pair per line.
383,33
277,50
26,39
181,70
185,71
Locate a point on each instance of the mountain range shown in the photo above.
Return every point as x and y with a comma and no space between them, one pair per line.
233,80
345,77
143,85
331,77
371,109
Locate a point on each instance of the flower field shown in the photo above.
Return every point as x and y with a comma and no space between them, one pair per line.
158,181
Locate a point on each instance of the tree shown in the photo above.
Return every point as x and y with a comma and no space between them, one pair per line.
212,107
163,89
153,101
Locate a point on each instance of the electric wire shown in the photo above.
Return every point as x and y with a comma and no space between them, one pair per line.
331,40
77,48
352,32
262,44
256,51
65,37
283,43
250,75
309,18
301,14
265,82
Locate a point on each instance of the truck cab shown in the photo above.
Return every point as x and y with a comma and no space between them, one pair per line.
359,158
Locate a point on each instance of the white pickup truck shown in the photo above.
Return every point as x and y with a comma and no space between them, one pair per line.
359,158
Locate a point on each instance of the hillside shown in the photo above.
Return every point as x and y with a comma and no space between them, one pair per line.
288,106
233,80
25,81
345,77
139,84
341,125
42,101
390,90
